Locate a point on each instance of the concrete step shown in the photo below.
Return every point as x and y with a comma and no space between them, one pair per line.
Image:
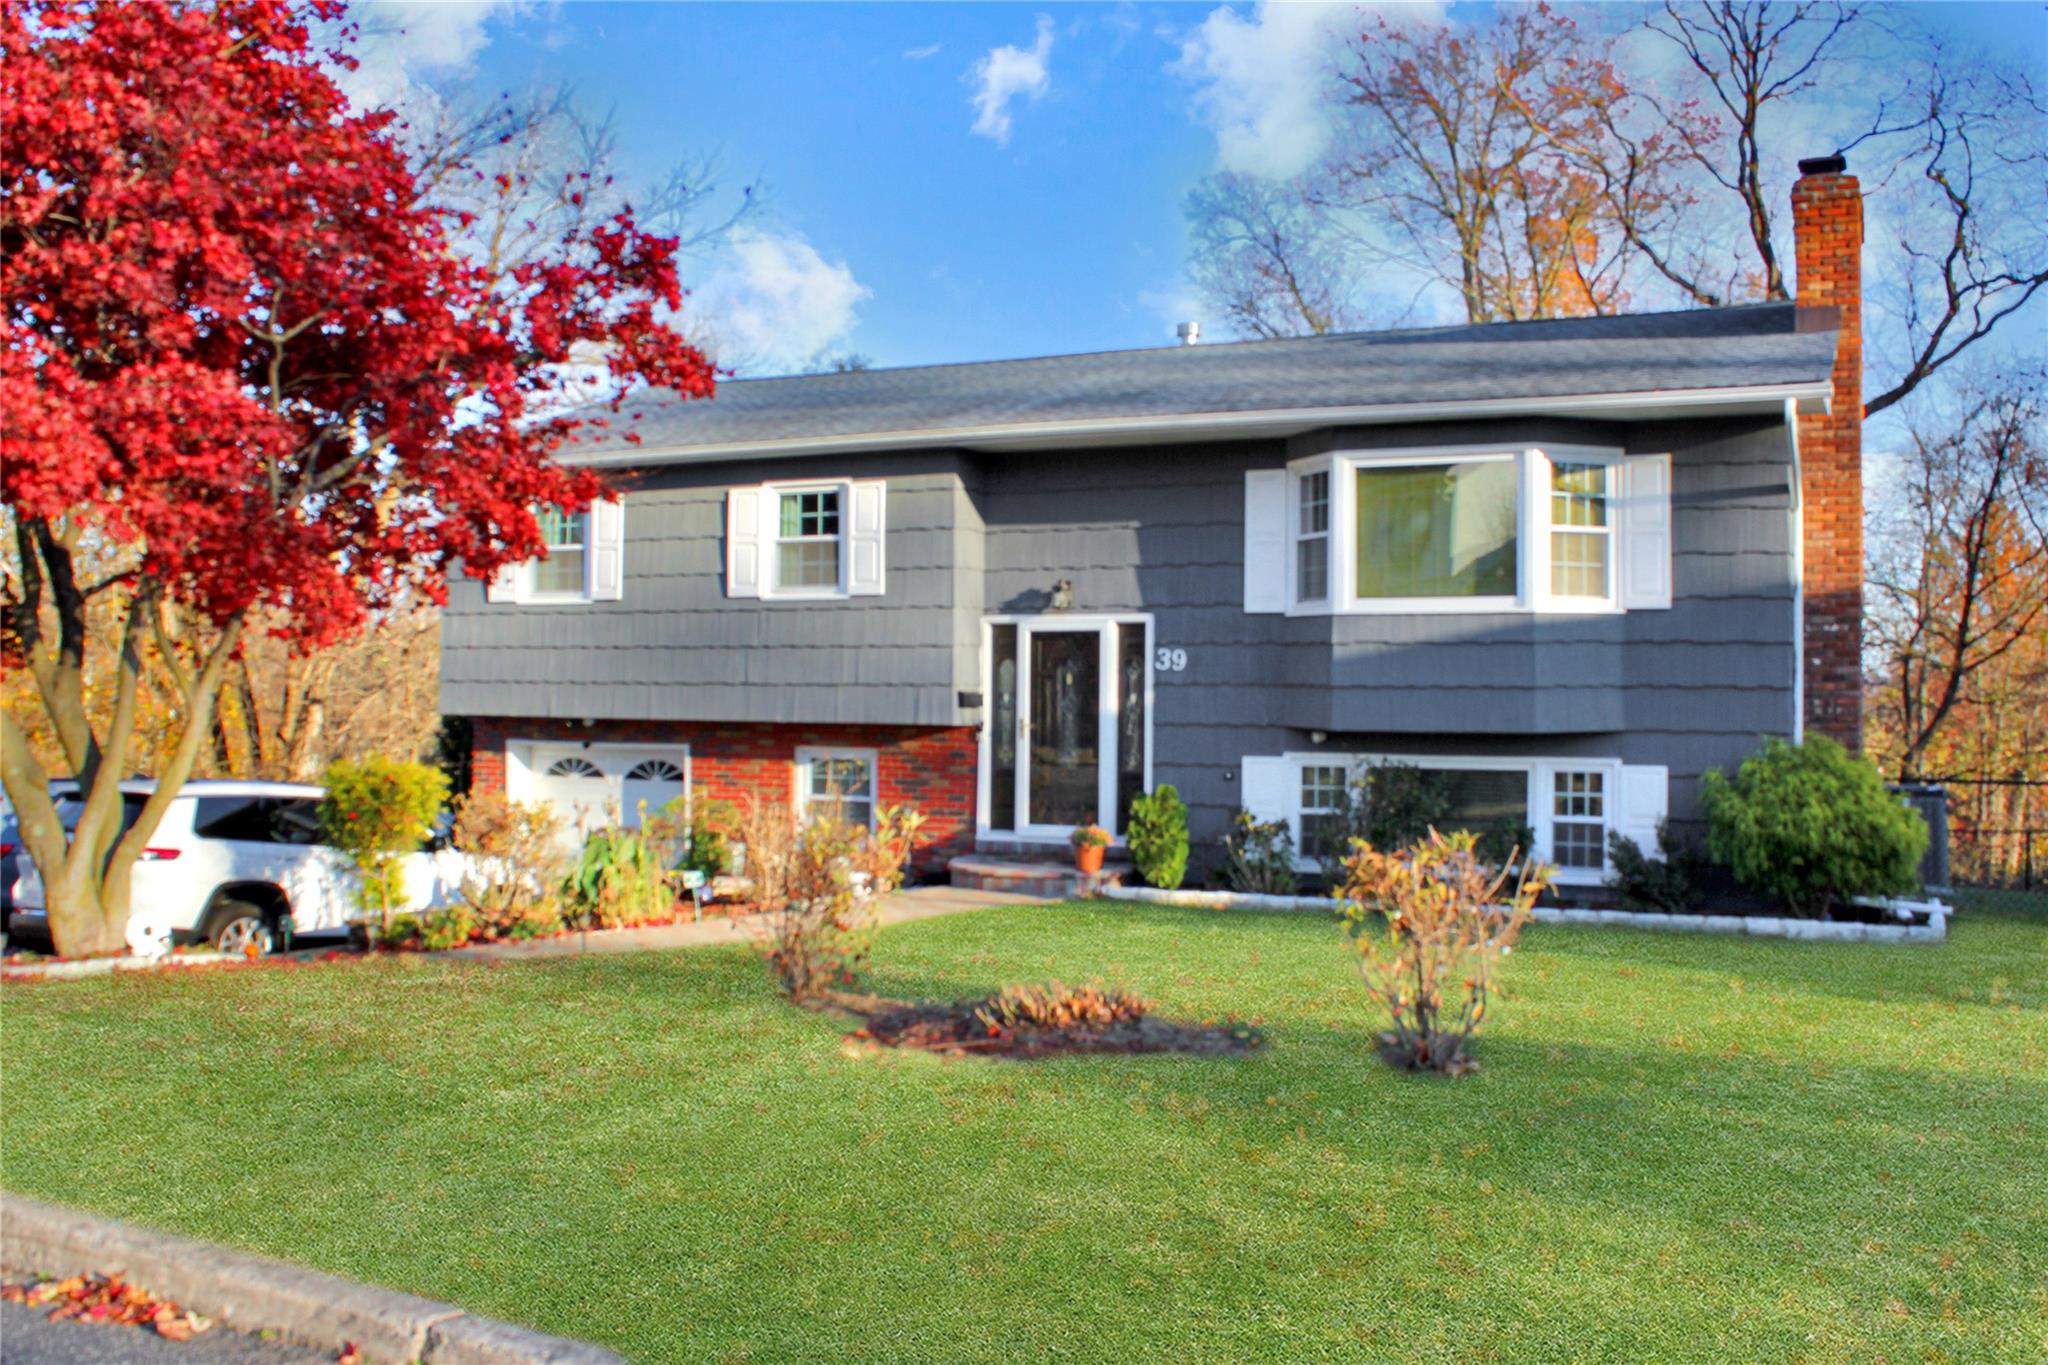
1042,880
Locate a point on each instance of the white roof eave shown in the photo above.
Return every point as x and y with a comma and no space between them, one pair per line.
1808,397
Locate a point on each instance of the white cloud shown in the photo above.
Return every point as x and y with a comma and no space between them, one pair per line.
918,54
1004,74
774,303
1263,79
403,43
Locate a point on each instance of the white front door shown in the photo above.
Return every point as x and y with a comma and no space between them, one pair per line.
1069,718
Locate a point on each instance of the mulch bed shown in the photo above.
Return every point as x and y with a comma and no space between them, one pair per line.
953,1027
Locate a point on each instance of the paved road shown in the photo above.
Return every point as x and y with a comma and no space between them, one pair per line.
28,1337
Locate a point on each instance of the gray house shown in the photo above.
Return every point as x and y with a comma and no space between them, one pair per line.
1571,564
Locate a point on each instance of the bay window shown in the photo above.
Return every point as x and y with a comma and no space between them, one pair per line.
1460,529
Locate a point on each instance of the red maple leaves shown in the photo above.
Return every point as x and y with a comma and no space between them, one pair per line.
235,341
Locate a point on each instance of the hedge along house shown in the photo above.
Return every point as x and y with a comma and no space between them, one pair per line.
1571,564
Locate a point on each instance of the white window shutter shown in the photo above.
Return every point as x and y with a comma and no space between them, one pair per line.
505,585
1265,541
607,550
865,570
1272,789
1646,533
1642,803
743,549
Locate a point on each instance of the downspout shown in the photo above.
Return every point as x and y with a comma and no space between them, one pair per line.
1798,511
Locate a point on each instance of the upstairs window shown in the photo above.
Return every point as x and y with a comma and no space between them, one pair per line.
1566,530
807,540
1437,530
562,573
1579,538
1312,537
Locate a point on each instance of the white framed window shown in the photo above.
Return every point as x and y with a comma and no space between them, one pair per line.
809,540
585,562
837,784
1460,529
565,571
1312,536
1581,536
1319,831
1569,805
1578,818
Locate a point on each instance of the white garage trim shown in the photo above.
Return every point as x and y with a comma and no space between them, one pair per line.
527,762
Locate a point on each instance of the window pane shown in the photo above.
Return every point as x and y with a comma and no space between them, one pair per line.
1578,563
1576,844
1578,837
1579,794
1437,530
1578,495
1002,741
1315,503
1312,569
834,778
810,564
561,571
810,514
1479,798
558,528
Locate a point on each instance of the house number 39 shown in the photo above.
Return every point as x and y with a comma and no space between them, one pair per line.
1170,660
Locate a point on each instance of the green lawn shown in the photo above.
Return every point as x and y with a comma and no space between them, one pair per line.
1678,1148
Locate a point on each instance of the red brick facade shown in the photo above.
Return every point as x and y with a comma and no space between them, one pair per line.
1827,229
928,768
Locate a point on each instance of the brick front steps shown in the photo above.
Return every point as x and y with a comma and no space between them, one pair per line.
1051,881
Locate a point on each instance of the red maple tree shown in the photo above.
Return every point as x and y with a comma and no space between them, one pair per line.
245,367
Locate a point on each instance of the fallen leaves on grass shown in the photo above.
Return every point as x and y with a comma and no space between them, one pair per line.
106,1298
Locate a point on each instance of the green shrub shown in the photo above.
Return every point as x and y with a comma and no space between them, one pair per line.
378,810
1674,884
1811,825
1259,858
1158,837
618,881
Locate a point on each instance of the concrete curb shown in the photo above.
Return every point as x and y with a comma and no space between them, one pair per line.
1756,926
251,1294
106,966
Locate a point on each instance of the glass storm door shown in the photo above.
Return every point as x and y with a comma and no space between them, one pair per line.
1068,723
1063,728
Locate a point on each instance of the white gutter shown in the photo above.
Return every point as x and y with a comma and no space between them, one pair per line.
1798,574
1811,397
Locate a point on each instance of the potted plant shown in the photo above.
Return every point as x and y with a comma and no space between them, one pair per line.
1089,841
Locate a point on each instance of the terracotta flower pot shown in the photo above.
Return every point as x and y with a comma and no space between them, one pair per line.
1088,857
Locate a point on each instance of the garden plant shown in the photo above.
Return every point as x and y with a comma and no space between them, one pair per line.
1258,857
1431,923
1812,826
378,810
1158,837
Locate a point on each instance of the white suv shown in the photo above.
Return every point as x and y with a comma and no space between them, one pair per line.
227,864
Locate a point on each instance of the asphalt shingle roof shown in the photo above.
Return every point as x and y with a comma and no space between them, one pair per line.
1705,349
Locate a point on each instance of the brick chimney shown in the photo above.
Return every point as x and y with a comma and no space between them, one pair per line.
1827,238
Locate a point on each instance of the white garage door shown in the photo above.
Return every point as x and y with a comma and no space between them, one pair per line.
593,785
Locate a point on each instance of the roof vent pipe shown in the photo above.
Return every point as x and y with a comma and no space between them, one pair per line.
1189,333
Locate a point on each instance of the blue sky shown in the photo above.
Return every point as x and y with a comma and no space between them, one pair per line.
905,222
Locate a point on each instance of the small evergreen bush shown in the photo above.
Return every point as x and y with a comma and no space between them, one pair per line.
1158,837
1674,884
1811,825
1259,858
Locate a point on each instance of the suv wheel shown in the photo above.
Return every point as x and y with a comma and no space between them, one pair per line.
234,925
